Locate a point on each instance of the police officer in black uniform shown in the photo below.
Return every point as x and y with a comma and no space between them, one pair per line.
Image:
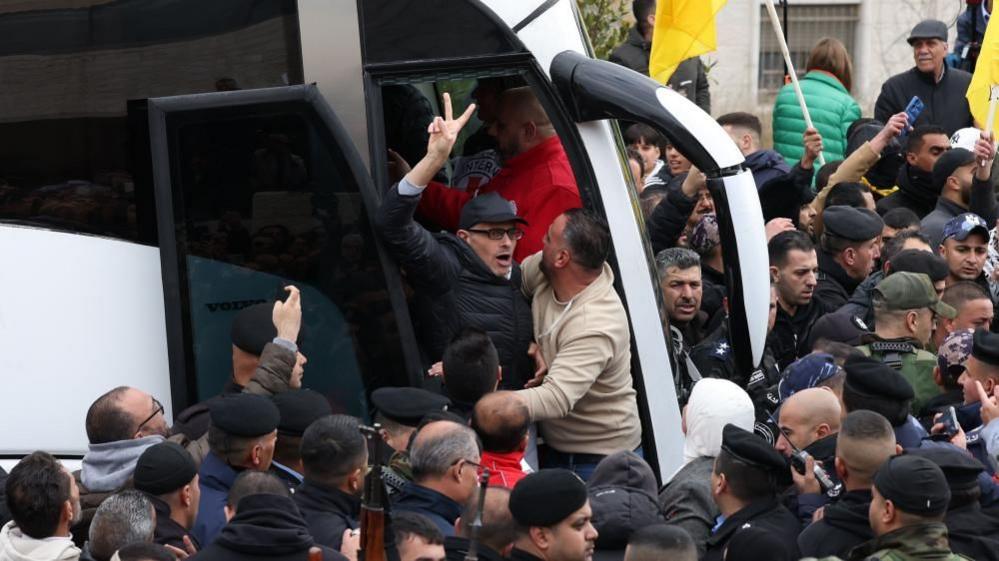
847,254
971,533
873,385
399,411
553,518
747,475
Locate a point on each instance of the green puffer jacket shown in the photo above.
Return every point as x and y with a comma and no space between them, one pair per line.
832,111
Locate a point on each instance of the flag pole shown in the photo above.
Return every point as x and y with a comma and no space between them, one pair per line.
790,68
993,101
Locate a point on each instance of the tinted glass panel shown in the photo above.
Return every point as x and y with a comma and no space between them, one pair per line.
74,152
263,197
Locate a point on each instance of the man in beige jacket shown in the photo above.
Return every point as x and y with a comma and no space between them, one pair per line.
585,405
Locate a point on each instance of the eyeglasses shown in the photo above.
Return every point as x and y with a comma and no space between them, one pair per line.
157,409
497,233
476,465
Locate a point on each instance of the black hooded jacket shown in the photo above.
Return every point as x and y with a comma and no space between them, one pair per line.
843,526
455,289
788,340
265,527
916,192
622,492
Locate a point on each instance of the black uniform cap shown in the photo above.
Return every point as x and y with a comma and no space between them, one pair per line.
752,449
960,469
948,163
915,484
244,414
253,327
407,406
985,347
547,497
870,377
298,409
918,261
854,224
163,468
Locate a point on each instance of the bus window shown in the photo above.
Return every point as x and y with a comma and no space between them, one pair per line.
71,159
263,196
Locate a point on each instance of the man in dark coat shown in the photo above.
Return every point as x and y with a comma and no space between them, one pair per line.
241,438
747,476
298,409
553,518
263,523
849,251
444,456
794,271
916,188
167,475
689,78
971,532
964,181
467,279
334,455
941,89
865,441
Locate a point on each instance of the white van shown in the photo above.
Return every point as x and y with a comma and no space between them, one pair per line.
167,162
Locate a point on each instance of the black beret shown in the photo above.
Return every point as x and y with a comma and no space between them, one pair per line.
253,327
407,406
753,450
870,377
163,468
840,327
915,484
547,497
854,224
960,469
918,261
985,347
244,414
298,409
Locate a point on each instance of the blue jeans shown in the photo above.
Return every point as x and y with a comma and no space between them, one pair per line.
581,464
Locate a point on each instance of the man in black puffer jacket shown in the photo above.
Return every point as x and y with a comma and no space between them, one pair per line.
467,279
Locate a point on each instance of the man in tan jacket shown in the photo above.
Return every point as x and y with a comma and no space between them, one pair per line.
585,405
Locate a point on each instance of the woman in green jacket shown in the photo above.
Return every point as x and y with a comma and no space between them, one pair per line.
826,88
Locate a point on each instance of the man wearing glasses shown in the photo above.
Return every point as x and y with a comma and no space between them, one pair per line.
445,458
467,279
905,310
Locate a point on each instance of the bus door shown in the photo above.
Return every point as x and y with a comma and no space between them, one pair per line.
257,189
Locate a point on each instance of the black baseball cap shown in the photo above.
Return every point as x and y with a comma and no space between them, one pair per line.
488,208
948,162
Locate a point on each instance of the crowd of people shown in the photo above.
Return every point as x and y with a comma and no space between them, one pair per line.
869,431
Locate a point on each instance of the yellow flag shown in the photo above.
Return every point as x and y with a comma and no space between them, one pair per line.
684,29
986,74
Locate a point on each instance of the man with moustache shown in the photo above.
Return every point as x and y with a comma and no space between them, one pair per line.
849,251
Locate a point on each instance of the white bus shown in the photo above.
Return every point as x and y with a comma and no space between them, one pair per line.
165,163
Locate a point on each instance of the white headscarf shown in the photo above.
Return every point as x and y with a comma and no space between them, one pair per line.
713,404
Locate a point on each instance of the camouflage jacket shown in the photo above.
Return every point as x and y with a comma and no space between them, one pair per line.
923,542
397,473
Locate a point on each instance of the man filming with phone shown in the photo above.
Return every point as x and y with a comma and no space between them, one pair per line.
940,89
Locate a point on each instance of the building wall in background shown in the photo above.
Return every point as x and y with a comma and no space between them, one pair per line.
880,49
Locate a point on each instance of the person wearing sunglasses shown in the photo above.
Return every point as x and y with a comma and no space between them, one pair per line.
466,279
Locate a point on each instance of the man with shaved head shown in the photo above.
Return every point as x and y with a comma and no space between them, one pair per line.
502,421
536,175
809,421
865,441
807,418
444,457
496,534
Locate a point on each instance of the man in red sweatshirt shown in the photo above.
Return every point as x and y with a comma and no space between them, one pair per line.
502,421
536,176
